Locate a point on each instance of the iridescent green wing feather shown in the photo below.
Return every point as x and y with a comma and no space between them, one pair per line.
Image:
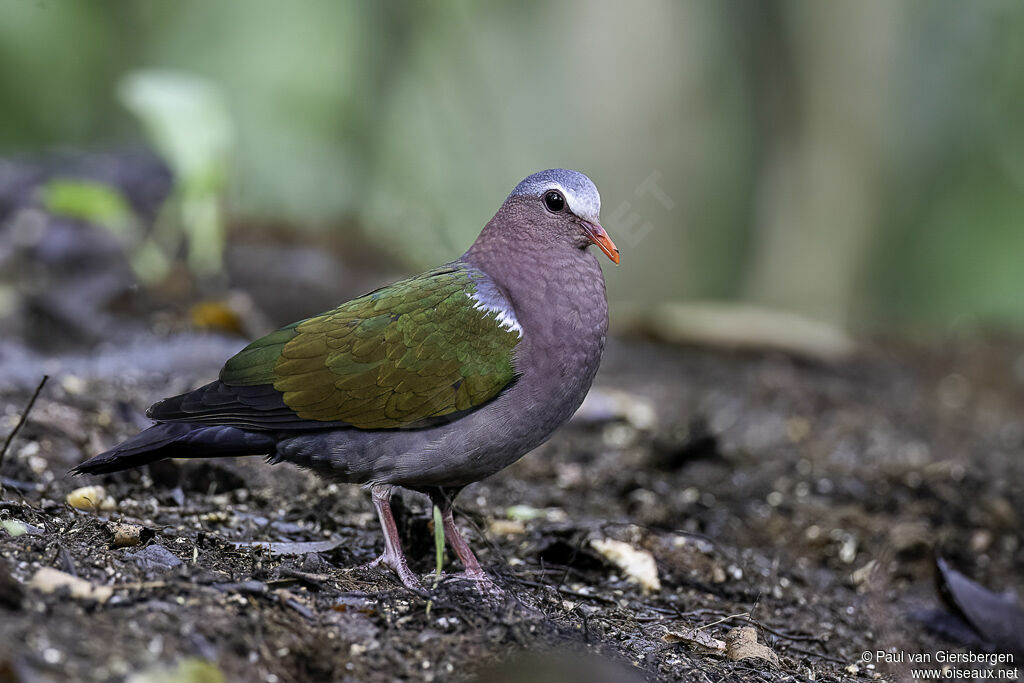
398,357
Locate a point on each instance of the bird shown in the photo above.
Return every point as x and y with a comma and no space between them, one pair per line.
429,384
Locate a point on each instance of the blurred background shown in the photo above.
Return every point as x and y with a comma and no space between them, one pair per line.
860,163
837,180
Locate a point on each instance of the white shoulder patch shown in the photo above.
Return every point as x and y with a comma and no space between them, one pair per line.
505,316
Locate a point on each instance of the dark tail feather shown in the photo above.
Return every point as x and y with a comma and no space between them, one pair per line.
178,440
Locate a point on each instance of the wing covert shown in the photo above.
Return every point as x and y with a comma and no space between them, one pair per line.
405,355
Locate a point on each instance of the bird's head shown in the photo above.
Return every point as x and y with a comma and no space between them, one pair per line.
562,205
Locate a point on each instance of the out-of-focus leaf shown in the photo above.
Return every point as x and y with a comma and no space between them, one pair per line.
188,122
188,670
13,527
106,206
90,201
216,315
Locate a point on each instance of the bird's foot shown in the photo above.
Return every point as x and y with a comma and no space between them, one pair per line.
483,585
401,569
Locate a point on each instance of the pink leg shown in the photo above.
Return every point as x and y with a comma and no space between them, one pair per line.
459,545
393,556
462,550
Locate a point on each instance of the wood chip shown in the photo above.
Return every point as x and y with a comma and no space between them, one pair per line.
741,643
50,580
125,535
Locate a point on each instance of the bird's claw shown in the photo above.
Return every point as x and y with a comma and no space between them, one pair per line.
401,569
483,584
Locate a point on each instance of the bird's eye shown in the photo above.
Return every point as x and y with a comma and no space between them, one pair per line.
554,201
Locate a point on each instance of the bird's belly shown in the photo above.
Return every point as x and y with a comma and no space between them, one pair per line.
501,432
454,454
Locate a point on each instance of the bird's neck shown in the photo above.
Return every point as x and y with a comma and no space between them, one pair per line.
556,290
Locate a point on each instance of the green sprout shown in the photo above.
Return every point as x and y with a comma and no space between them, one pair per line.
438,552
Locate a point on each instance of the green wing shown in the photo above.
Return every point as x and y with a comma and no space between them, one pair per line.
397,357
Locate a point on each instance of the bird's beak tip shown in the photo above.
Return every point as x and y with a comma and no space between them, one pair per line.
598,236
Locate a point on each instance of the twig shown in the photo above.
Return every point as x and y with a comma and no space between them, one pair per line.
816,655
21,422
565,591
727,618
784,635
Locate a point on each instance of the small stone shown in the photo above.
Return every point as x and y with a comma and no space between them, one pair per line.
981,540
73,384
156,557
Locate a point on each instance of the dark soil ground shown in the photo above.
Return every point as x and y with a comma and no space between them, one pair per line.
808,500
760,484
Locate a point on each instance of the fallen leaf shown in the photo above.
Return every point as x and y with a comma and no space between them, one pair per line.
697,640
638,565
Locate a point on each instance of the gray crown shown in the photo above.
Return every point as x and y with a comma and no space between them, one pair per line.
580,192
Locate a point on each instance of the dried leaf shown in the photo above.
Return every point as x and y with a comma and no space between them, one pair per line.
638,565
697,640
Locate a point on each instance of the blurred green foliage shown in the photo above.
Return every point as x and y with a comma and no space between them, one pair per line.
90,201
188,124
860,160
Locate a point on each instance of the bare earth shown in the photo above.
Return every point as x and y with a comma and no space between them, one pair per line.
763,486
